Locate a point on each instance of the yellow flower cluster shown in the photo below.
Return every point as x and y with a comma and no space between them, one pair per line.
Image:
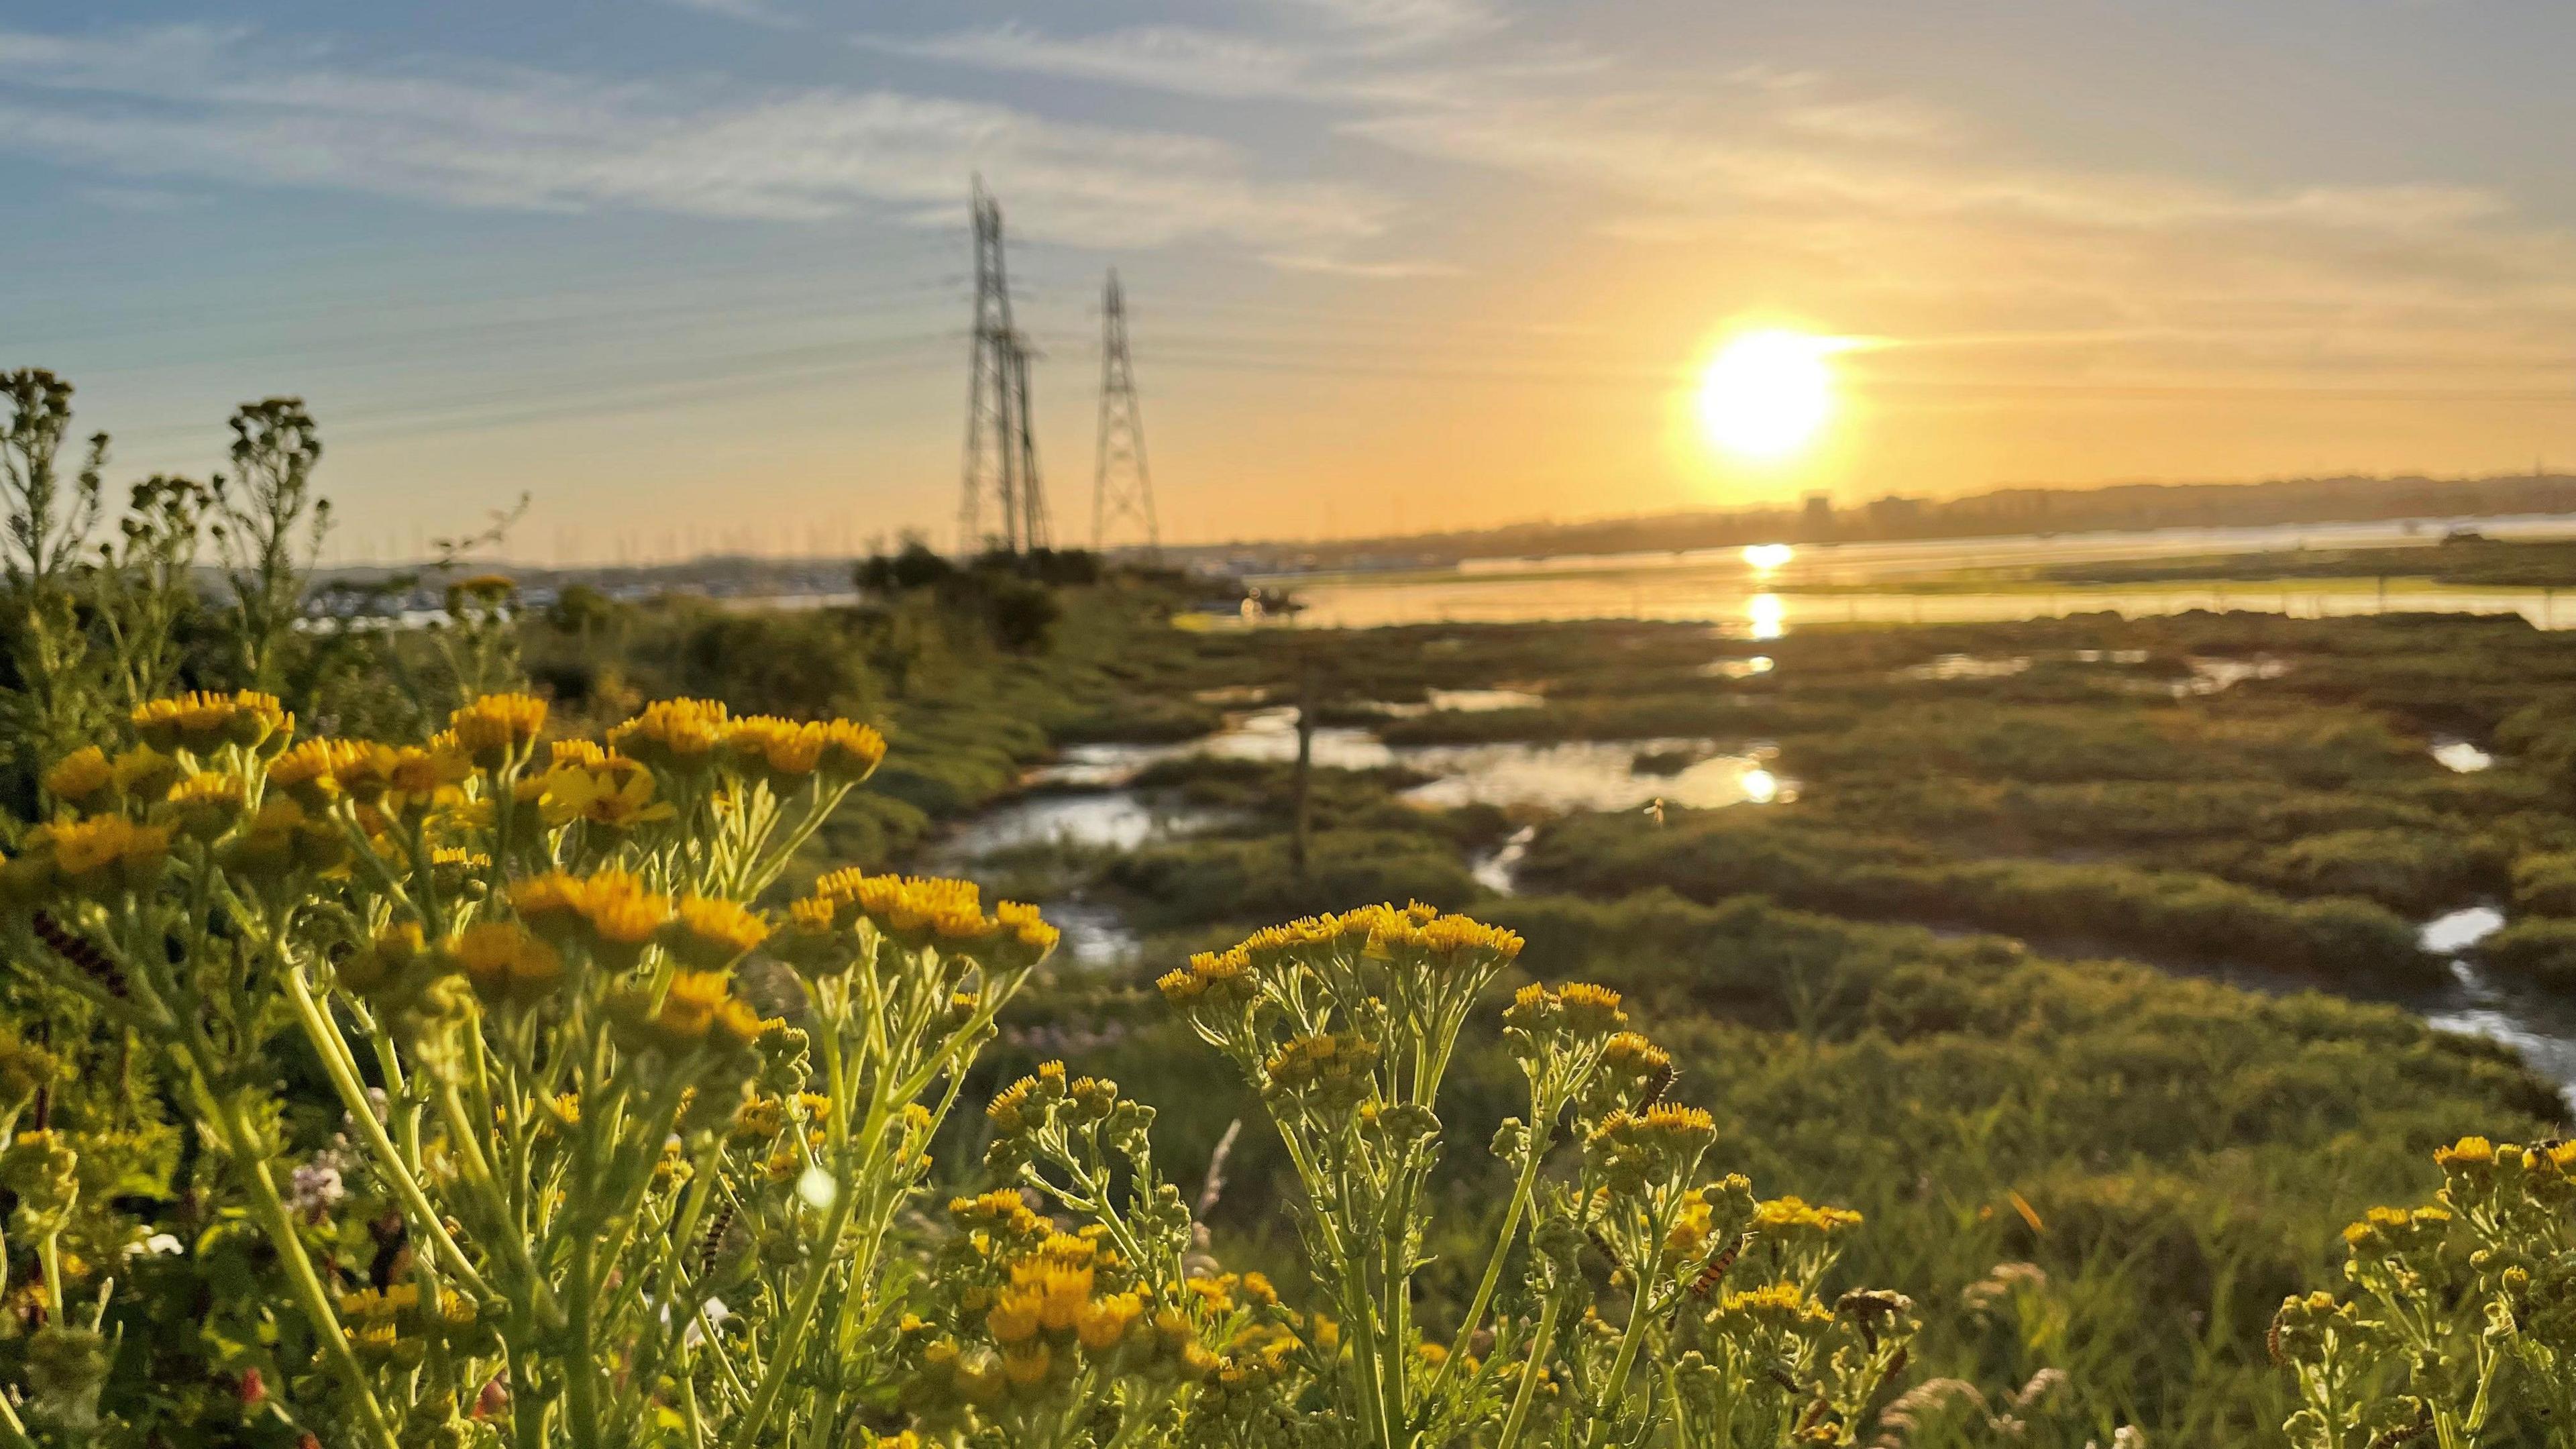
1727,1204
789,750
917,911
206,804
1631,1149
711,933
615,916
674,734
1791,1217
79,775
1415,936
589,784
505,964
2387,1232
1337,1067
498,728
92,857
200,721
700,1007
1777,1308
1580,1009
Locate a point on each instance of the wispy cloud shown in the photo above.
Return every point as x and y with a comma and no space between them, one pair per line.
1342,266
196,102
1177,59
751,12
1397,24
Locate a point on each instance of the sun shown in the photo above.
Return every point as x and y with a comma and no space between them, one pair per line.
1766,394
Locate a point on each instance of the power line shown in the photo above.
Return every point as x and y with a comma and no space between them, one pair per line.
1121,488
1001,456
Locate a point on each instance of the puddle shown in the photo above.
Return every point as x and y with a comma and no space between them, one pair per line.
1582,775
1114,820
1498,870
2451,934
2462,756
1965,666
2210,675
1096,937
2540,1028
1462,701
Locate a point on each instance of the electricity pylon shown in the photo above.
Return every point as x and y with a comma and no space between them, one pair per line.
1121,488
1001,456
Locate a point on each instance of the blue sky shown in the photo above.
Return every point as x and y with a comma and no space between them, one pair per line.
694,272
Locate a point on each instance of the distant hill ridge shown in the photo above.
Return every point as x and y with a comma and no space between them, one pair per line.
2023,510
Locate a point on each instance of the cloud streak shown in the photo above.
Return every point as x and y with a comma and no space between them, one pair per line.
207,103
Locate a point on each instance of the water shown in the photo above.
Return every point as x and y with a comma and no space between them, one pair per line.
1870,582
1584,775
1107,819
2538,1027
2462,756
1499,869
1465,701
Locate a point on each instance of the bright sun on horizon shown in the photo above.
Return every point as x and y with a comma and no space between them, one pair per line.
1765,395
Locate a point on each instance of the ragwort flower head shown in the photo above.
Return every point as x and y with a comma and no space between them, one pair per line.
203,720
709,933
506,965
80,775
679,735
610,791
206,804
496,729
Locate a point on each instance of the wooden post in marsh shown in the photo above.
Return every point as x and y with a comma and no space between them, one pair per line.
1305,761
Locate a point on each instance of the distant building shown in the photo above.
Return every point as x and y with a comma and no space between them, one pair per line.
1819,515
1895,515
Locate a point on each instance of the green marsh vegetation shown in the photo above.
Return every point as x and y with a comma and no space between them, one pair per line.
1959,976
1948,984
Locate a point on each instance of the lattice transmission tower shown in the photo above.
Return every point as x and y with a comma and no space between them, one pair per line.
1001,457
1121,489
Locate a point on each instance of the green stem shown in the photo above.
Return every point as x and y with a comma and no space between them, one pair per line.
353,1095
1540,1342
1484,1299
273,1218
1628,1343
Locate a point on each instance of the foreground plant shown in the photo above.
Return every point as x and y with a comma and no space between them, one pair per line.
575,1148
2460,1326
1627,1300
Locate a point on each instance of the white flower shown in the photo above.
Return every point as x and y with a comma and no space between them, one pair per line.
316,1186
159,1245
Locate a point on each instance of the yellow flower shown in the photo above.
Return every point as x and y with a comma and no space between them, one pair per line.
612,791
709,933
675,734
497,728
1102,1322
2467,1153
782,748
206,803
310,771
688,1008
551,904
504,963
77,776
204,721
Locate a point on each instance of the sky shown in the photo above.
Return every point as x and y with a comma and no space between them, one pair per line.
695,275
